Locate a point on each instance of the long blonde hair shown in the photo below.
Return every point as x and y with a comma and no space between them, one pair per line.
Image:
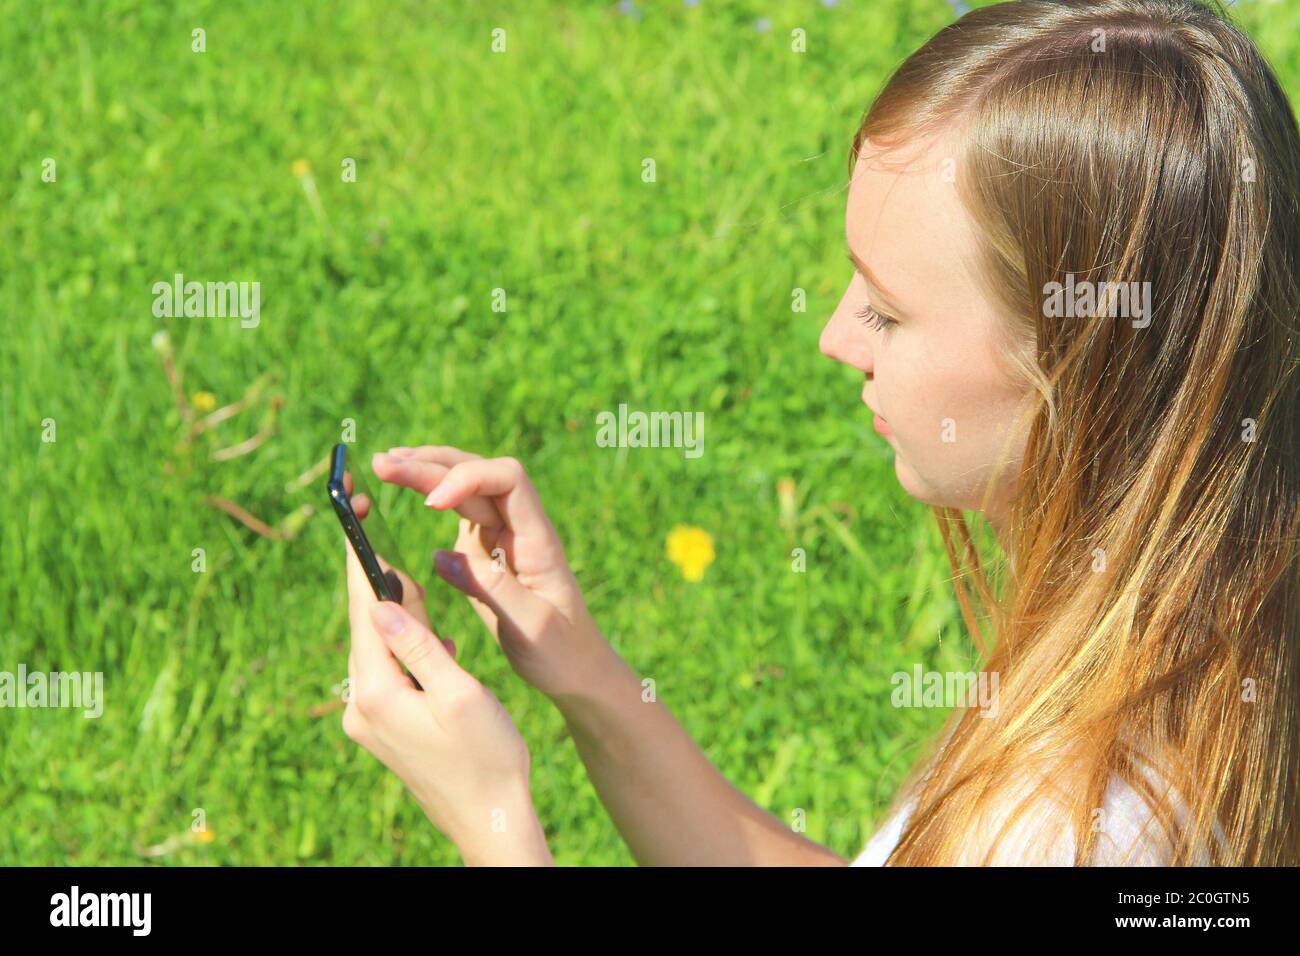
1151,602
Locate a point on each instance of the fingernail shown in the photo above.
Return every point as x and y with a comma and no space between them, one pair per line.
384,459
451,564
401,451
394,584
387,618
436,497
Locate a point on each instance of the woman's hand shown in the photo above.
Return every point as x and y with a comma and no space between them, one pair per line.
451,742
509,562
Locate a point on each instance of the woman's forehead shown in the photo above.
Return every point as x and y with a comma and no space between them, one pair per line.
904,218
924,167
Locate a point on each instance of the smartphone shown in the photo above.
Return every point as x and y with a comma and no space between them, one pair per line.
342,487
341,499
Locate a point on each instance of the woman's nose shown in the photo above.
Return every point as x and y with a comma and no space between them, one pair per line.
844,342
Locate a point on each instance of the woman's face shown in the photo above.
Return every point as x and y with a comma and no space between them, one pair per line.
947,407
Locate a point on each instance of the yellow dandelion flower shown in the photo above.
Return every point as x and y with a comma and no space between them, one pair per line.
204,836
691,549
301,168
204,401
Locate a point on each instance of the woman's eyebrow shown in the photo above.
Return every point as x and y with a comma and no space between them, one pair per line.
872,281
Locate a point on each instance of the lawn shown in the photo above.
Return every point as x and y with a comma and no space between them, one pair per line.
496,274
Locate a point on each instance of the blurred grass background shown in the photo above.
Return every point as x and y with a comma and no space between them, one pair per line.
474,171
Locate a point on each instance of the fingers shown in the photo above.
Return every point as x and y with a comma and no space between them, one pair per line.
505,482
411,473
418,468
445,455
408,591
423,653
372,664
496,588
361,503
422,470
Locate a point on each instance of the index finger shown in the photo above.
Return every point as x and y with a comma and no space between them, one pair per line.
422,469
505,482
360,502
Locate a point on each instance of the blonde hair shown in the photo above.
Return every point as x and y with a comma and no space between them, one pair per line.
1151,602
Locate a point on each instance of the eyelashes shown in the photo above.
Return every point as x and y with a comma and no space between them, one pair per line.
869,316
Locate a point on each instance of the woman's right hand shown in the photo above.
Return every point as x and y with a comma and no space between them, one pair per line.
508,561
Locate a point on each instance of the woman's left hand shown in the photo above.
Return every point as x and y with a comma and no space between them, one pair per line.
451,742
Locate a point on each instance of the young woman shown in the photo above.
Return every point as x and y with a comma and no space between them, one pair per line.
1137,457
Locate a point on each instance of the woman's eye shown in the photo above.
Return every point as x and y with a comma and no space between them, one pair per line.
871,317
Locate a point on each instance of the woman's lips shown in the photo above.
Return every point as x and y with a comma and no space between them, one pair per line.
877,422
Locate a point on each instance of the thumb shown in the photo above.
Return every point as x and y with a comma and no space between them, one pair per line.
424,655
496,587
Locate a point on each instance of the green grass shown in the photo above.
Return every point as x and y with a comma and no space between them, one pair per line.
475,171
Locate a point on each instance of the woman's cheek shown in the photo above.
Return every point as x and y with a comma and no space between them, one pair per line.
915,408
902,396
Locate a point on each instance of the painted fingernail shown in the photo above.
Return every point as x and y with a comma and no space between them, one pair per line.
451,565
394,584
388,618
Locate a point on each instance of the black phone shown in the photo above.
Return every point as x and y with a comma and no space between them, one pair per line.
341,498
342,486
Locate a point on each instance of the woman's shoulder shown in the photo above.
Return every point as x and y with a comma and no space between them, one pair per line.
1134,834
1033,829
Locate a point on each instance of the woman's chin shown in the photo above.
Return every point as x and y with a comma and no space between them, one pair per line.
915,486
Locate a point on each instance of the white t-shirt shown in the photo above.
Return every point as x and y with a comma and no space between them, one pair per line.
1130,833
